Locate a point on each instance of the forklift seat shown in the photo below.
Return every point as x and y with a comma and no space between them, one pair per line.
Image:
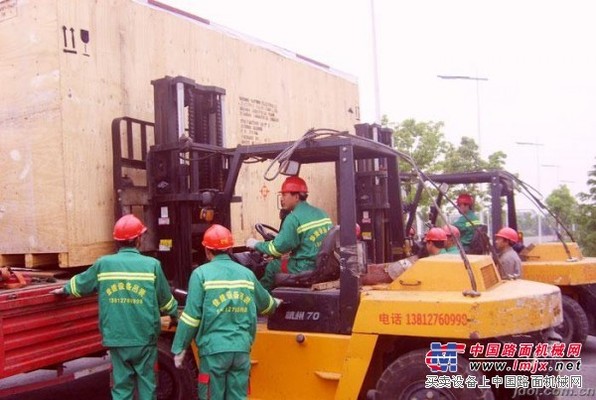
480,241
326,265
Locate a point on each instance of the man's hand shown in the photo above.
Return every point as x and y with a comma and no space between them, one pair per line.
251,243
173,321
59,291
179,358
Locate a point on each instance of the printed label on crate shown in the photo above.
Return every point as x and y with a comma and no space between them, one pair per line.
75,40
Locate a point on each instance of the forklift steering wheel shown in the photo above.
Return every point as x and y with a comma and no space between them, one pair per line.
268,232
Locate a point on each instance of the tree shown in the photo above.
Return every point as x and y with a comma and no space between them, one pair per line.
426,144
467,157
423,141
563,205
527,222
587,216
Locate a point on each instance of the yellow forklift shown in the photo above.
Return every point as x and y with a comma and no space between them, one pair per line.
558,263
333,337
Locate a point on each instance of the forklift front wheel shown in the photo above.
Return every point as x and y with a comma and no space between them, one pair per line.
405,378
575,325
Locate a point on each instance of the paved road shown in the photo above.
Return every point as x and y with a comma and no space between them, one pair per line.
91,387
96,387
588,370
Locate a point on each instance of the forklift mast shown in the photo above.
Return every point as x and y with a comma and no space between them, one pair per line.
185,168
380,221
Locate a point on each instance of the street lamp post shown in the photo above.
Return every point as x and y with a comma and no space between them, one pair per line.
537,145
375,64
477,79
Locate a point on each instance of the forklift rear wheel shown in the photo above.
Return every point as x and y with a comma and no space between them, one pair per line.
174,383
405,379
575,325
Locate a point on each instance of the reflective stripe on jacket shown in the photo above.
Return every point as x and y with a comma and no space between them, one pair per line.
302,233
132,291
221,309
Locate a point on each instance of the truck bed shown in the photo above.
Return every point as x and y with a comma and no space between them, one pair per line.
41,330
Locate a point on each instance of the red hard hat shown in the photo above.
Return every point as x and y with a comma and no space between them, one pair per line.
294,184
451,230
218,237
509,234
464,198
435,234
128,227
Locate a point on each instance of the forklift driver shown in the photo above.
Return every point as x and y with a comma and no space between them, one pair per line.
301,233
467,222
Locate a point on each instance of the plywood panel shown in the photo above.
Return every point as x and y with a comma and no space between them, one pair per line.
31,189
32,210
91,97
75,66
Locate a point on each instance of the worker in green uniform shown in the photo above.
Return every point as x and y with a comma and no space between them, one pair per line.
450,243
221,309
468,221
301,233
132,291
434,241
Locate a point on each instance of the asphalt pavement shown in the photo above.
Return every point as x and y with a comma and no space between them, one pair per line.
94,386
587,371
97,386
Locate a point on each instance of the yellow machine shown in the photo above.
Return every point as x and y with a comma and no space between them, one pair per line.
384,355
564,265
559,263
332,337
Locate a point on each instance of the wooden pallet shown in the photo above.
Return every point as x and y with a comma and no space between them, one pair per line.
29,260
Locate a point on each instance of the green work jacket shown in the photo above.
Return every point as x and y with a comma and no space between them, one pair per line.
221,309
302,233
132,291
450,250
466,229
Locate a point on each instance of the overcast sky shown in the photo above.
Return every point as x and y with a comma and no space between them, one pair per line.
539,58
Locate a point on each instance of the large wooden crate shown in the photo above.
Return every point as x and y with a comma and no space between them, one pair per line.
69,67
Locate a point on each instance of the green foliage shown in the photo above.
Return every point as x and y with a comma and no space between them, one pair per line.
587,217
527,222
564,205
496,161
423,141
467,157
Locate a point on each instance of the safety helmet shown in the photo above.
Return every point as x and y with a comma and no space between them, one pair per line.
128,227
464,198
218,237
294,184
509,234
435,235
451,230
